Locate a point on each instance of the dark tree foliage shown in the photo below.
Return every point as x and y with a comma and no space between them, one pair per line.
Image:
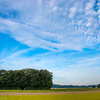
98,86
25,79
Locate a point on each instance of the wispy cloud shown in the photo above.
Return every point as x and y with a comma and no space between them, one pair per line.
49,25
72,70
65,28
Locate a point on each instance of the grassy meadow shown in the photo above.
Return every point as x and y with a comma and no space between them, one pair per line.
77,96
54,90
81,96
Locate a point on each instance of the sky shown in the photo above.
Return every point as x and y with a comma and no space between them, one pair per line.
62,36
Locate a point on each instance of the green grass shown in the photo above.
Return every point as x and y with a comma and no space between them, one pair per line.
83,96
54,90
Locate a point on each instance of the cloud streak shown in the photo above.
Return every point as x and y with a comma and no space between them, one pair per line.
50,25
72,70
67,31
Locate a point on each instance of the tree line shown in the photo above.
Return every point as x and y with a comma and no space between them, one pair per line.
25,79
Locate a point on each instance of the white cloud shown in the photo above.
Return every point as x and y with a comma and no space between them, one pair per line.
56,26
98,11
54,8
46,24
84,71
72,12
71,71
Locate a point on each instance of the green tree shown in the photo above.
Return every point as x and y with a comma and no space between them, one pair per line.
45,79
2,72
21,79
98,86
36,79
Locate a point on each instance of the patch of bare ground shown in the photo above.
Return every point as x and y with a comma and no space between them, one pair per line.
45,93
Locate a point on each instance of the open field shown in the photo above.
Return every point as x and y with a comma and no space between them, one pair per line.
58,94
46,93
81,96
55,90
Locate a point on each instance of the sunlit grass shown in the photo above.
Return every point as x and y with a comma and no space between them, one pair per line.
83,96
54,90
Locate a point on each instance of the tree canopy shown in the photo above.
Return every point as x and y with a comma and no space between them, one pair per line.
98,86
25,79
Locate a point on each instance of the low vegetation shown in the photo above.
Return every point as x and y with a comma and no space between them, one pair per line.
85,96
55,90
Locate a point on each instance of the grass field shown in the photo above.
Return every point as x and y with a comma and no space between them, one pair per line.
54,90
84,96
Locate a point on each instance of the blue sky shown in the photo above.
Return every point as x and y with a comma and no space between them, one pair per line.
62,36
